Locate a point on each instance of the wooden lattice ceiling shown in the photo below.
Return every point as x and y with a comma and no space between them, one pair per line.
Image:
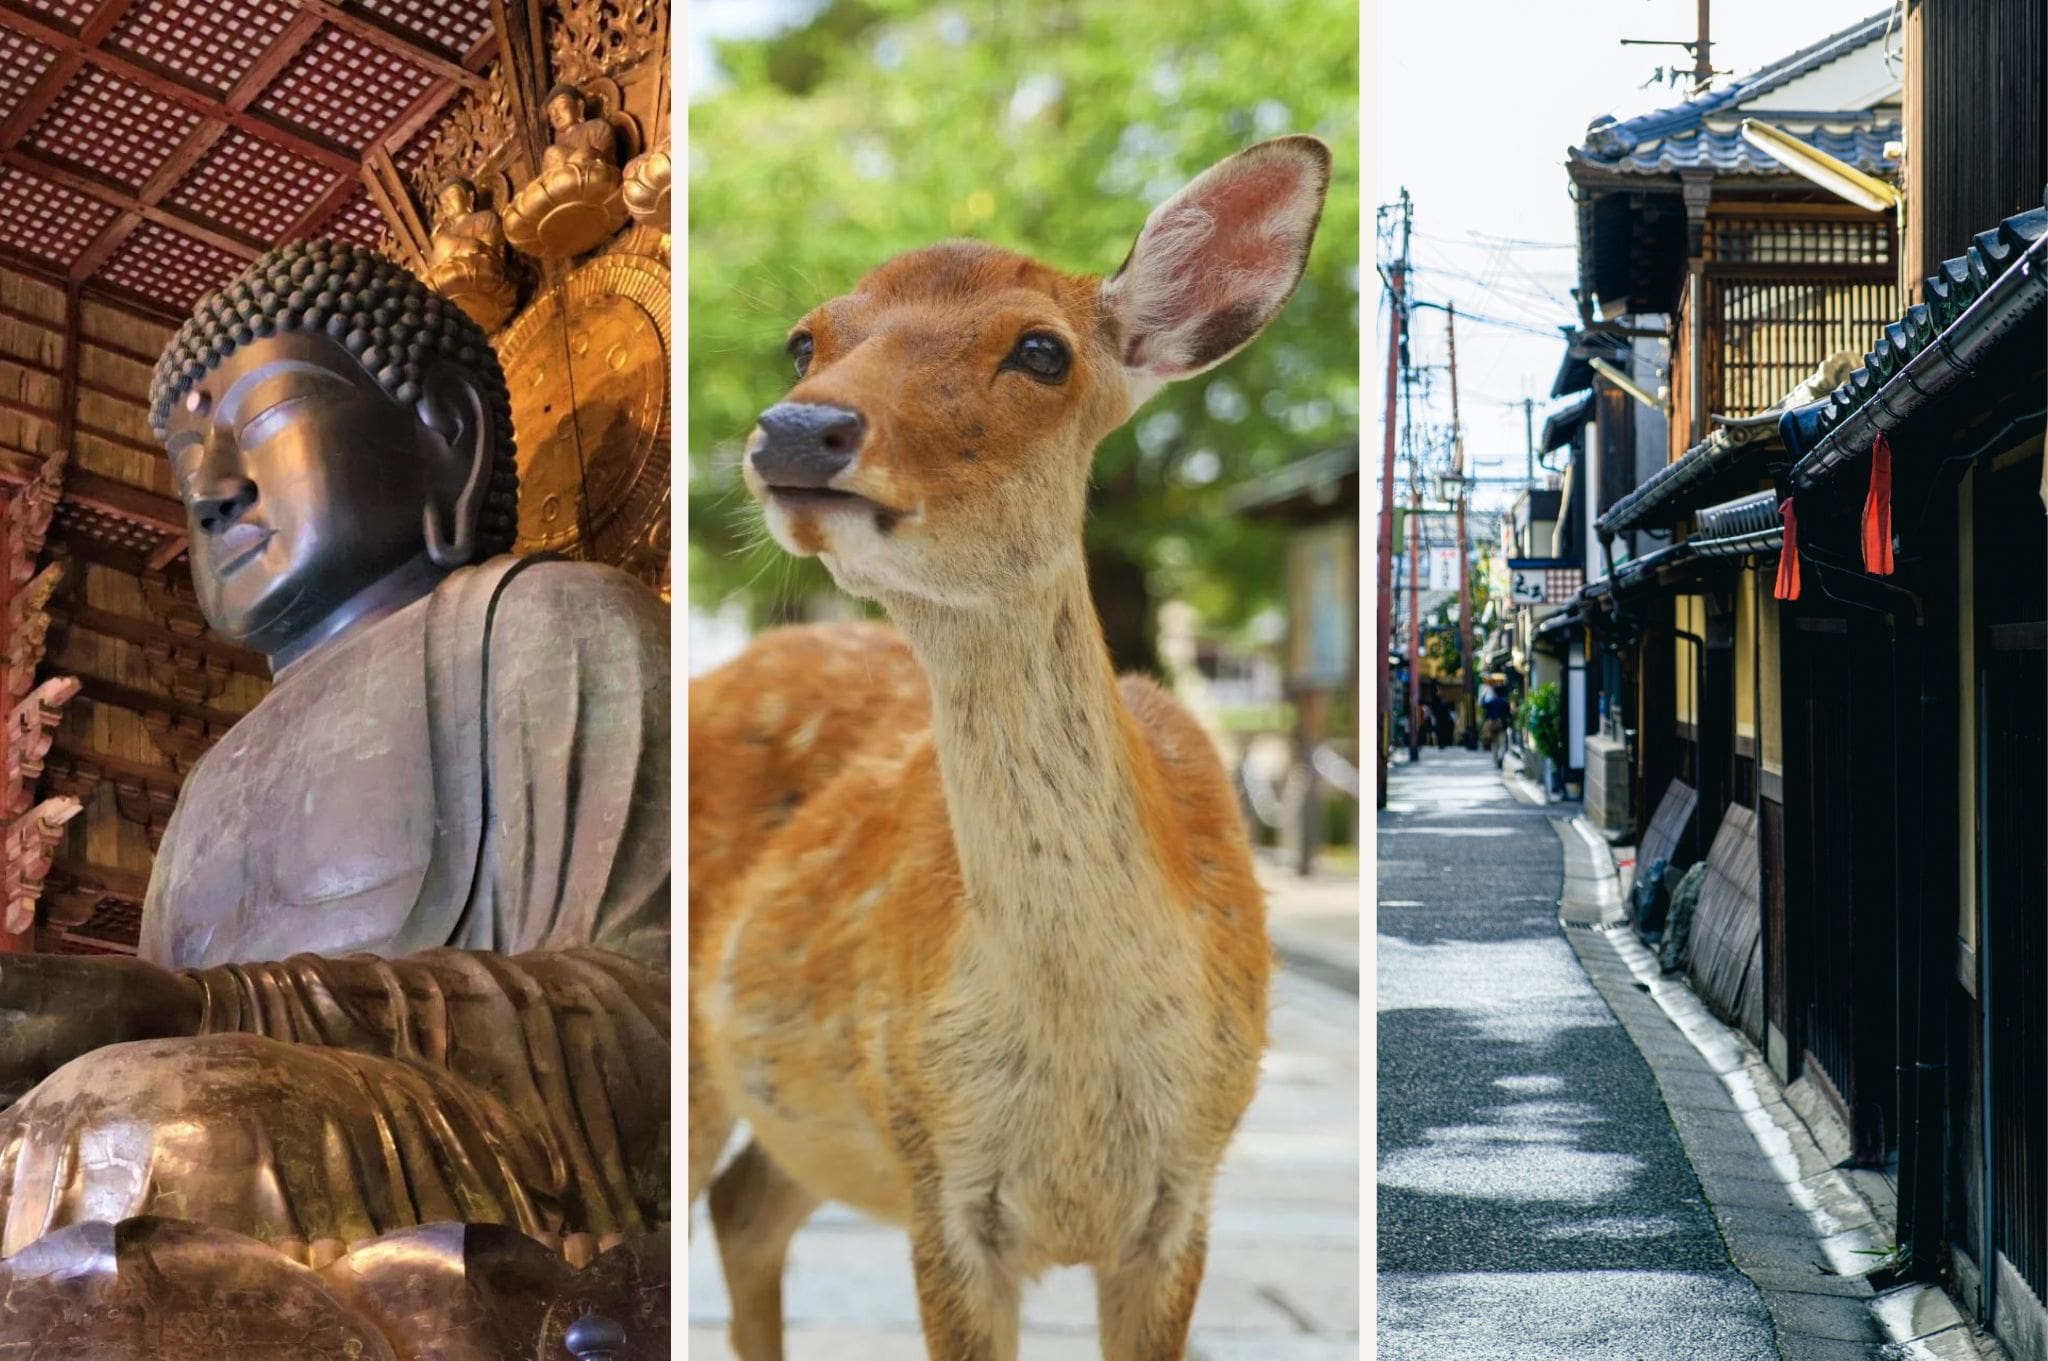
148,148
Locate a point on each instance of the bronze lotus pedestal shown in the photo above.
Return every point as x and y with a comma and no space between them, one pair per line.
390,1076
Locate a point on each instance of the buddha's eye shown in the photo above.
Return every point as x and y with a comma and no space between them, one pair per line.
1042,356
800,347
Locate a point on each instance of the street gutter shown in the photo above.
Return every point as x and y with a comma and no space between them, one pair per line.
1793,1221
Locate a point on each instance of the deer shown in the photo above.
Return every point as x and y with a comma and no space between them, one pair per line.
976,945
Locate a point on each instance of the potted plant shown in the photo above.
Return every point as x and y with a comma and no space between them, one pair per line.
1543,723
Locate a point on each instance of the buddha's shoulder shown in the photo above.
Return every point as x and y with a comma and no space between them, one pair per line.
560,600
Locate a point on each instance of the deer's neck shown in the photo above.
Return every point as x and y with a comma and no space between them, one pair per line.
1036,753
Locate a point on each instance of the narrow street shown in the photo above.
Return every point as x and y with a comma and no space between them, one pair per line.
1535,1202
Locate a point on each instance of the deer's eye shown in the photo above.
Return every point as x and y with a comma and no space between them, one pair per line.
1042,356
800,347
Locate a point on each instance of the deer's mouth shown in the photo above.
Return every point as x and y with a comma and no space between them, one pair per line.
831,500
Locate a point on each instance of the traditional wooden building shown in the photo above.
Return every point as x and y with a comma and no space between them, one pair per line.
148,150
1831,614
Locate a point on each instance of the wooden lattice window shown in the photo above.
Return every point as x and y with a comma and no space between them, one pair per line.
47,220
113,127
211,43
454,26
343,89
1783,292
252,186
22,63
159,263
1765,241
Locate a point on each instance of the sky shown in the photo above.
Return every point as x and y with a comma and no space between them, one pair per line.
1475,103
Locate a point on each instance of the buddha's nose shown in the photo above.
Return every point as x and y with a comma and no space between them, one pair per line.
806,444
222,503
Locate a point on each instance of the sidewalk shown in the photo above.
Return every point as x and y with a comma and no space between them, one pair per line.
1283,1273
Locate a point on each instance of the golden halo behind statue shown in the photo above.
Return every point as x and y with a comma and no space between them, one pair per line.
588,367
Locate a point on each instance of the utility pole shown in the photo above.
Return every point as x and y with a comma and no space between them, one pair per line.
1702,55
1466,661
1414,567
1529,434
1398,280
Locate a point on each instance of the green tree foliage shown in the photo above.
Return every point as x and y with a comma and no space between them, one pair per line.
1052,129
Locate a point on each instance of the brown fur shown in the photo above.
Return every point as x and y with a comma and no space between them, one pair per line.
975,942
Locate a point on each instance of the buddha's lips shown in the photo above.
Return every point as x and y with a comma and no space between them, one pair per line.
240,542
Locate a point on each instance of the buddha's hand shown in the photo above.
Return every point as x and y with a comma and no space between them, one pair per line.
55,1008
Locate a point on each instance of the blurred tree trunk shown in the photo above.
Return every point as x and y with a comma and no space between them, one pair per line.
1123,599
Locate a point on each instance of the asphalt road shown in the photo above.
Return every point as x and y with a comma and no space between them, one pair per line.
1534,1201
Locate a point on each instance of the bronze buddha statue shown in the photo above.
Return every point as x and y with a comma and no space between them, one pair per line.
393,1060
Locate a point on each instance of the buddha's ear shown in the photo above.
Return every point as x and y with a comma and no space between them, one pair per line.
453,409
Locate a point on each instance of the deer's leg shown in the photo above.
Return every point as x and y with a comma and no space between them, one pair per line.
710,1122
967,1297
1146,1302
756,1208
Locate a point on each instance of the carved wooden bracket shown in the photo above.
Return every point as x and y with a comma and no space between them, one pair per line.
28,629
175,603
29,515
31,728
181,738
29,849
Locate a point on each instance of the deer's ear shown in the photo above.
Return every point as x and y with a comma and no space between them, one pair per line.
1217,261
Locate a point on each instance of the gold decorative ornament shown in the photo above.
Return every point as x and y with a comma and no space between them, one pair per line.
588,367
466,264
646,192
576,203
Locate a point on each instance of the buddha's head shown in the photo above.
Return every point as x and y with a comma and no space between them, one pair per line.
564,107
330,422
457,196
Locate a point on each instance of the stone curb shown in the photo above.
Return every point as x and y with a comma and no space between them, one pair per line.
1793,1222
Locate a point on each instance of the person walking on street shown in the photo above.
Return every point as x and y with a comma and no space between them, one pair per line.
1498,713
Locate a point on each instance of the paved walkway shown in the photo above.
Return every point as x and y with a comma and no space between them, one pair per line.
1282,1283
1535,1203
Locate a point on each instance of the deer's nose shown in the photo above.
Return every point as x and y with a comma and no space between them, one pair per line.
806,444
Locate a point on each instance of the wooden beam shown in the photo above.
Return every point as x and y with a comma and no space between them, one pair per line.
394,200
40,96
324,207
104,21
172,550
79,182
89,261
121,441
523,50
144,633
67,398
271,64
101,690
206,106
380,34
98,492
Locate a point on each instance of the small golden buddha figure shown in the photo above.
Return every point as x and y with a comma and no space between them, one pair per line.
466,258
576,202
647,181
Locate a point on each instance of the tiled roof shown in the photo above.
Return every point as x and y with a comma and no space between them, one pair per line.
1561,425
1716,144
1679,485
1973,302
1704,132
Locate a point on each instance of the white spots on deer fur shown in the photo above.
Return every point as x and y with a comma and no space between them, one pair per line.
771,711
806,733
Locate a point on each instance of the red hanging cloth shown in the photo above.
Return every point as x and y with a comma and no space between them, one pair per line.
1877,511
1788,556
